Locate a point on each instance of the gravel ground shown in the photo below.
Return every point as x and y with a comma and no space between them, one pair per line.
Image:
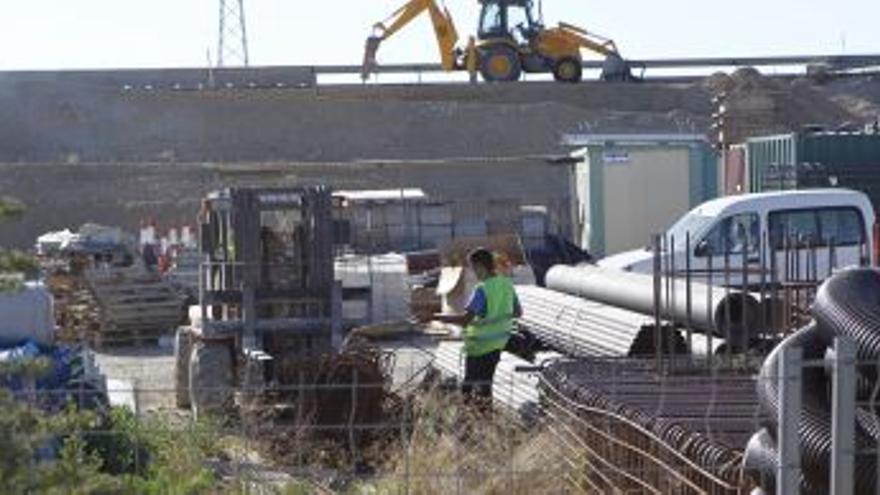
150,370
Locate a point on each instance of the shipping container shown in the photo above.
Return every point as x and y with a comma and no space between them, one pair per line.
628,187
841,151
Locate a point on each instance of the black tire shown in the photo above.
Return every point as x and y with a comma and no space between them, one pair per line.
500,63
210,377
568,70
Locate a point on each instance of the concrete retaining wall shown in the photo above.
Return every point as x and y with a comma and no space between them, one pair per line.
124,194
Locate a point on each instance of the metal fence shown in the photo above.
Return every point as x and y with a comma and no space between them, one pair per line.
559,425
779,276
337,431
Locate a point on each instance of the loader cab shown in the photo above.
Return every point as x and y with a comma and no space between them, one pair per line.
512,19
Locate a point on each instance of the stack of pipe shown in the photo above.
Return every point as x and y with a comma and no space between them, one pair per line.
584,328
725,313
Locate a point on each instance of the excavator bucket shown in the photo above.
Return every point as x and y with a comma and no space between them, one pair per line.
370,64
615,68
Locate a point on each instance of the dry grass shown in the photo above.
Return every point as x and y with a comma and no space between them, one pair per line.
455,449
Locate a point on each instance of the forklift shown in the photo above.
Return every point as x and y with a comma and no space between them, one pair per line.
267,294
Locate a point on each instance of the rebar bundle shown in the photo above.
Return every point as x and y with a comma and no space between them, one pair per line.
680,428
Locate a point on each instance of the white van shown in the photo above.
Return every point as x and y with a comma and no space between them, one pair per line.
808,232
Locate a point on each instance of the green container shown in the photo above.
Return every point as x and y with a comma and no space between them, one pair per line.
835,149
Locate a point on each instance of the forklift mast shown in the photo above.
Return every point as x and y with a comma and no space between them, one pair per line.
267,271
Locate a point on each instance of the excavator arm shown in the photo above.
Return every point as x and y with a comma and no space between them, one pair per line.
588,40
567,39
444,29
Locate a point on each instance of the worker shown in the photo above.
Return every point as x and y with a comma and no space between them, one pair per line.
487,322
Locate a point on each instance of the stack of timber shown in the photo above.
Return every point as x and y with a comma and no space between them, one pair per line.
77,312
136,305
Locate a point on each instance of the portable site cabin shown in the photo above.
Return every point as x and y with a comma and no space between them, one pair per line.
627,187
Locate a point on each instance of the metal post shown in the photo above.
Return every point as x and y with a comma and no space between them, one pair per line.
249,317
709,279
788,467
728,338
832,256
688,293
843,417
744,287
670,245
762,254
336,322
658,348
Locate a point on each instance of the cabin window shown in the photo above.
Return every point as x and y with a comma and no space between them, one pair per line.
491,23
733,235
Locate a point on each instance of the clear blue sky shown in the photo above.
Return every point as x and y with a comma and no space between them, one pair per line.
44,34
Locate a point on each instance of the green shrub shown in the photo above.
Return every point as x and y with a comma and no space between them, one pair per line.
76,452
11,207
14,261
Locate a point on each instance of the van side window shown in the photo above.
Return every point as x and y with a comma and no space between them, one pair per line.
734,234
841,226
793,228
816,227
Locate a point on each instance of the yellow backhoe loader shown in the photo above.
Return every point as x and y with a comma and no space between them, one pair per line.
510,40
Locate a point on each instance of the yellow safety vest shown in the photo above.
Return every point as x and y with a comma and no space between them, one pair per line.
490,332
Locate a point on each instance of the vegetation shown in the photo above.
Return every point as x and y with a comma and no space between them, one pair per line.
15,268
10,207
83,452
15,261
454,448
14,265
77,452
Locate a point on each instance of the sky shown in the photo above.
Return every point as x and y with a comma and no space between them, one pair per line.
57,34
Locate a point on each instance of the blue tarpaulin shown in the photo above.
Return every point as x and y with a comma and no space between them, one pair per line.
52,388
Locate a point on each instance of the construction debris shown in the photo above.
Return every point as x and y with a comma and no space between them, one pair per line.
342,398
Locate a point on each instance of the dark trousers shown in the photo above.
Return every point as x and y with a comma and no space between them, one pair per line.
478,374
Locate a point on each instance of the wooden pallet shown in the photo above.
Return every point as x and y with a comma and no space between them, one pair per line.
128,338
135,305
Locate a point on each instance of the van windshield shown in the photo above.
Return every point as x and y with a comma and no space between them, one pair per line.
694,223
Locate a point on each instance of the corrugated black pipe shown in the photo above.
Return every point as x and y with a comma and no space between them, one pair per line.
814,424
847,304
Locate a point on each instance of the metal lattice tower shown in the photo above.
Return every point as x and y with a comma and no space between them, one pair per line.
232,45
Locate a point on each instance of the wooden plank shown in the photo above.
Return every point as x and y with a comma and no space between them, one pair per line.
135,289
148,316
112,305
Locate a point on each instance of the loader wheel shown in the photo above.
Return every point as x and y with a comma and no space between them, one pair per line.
210,377
568,70
500,64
